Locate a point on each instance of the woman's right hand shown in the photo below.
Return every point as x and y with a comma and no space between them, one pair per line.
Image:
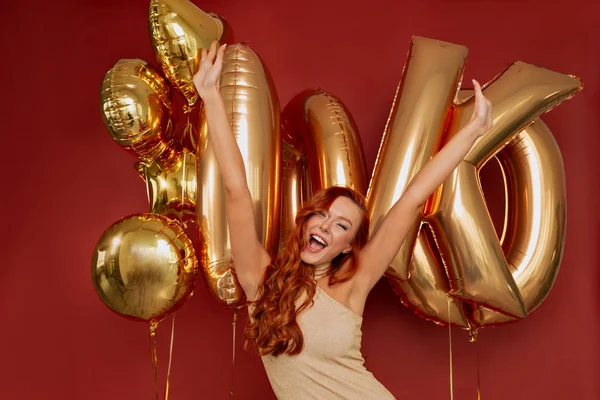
208,76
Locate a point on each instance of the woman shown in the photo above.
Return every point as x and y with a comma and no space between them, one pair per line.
306,306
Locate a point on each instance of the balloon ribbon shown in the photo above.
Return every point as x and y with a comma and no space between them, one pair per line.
189,134
473,339
450,349
170,357
153,325
235,315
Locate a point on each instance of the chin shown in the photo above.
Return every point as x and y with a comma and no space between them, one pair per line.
314,259
306,258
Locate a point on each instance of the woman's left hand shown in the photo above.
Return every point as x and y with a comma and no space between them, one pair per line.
481,119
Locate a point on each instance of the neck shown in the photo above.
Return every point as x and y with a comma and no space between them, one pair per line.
321,270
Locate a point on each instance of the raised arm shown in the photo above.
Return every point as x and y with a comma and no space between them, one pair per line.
383,247
250,257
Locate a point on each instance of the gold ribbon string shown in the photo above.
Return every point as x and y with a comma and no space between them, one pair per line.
478,379
473,339
170,357
478,372
188,130
234,323
450,350
184,184
153,325
145,169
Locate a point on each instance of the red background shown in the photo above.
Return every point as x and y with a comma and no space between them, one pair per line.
65,181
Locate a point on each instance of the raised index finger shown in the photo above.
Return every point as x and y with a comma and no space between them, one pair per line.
477,87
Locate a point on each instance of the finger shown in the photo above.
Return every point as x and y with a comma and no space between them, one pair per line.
220,55
477,88
212,52
222,50
203,55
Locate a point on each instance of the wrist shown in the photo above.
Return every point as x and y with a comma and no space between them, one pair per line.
473,130
209,93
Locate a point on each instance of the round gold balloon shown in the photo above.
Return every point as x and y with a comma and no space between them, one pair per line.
253,111
144,267
179,31
136,109
172,188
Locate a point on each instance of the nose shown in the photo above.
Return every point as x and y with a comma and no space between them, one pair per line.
325,225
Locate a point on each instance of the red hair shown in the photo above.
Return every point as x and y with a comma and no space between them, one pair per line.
273,323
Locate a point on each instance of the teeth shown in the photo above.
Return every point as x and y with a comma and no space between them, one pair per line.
318,239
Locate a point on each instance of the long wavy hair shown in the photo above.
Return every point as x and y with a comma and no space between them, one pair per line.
273,323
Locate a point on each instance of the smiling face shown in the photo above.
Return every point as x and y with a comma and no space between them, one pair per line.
331,232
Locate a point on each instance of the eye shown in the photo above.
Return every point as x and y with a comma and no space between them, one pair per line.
344,227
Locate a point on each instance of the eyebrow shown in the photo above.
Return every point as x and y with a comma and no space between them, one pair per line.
340,217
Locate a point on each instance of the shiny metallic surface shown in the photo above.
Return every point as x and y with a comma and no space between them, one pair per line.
144,267
413,132
535,225
253,111
136,109
179,31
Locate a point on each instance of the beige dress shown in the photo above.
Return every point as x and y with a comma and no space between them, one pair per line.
330,365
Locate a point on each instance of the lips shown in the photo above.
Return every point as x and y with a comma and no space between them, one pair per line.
316,243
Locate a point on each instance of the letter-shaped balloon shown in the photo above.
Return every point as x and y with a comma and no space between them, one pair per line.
321,148
253,110
456,223
535,229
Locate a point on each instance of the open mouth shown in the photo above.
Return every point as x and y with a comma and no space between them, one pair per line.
316,243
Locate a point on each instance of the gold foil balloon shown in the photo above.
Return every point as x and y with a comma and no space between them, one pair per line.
144,267
295,187
477,268
459,228
535,229
318,124
413,132
426,292
179,31
412,135
136,109
253,110
172,188
320,148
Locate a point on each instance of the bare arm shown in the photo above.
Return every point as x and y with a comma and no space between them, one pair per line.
250,257
383,247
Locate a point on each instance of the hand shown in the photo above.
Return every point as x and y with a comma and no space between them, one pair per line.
209,74
481,119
